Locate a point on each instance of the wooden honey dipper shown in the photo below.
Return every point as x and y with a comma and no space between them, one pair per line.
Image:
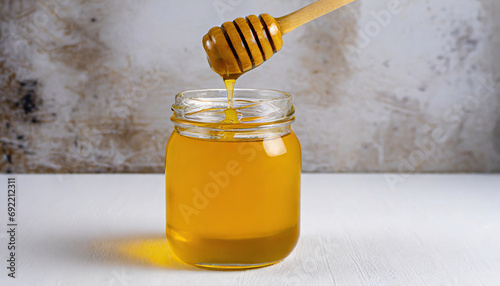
239,46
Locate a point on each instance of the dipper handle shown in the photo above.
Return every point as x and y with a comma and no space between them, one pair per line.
310,12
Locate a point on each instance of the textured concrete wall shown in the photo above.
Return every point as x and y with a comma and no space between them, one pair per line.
408,85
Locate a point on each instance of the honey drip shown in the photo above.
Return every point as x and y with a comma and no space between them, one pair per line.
230,112
229,83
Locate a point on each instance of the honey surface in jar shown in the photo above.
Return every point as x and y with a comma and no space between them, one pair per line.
232,201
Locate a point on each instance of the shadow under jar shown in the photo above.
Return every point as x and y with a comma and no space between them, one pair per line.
232,189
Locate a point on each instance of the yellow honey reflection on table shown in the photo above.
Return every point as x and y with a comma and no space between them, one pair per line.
149,252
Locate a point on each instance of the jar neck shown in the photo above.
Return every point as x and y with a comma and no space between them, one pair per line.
261,114
232,132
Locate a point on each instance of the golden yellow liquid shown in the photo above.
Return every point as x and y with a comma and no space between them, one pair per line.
229,83
232,203
230,113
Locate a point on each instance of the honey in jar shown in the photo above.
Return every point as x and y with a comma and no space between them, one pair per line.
232,186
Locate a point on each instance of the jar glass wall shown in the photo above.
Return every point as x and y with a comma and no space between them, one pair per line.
232,190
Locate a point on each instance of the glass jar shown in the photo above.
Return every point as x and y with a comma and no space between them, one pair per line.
232,189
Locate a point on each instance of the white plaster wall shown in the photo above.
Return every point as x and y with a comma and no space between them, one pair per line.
416,91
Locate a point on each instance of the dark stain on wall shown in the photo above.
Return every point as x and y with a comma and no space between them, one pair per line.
29,98
326,39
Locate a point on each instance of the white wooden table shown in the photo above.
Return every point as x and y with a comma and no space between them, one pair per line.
356,230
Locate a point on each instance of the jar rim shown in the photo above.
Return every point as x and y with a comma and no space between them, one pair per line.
285,94
253,105
257,109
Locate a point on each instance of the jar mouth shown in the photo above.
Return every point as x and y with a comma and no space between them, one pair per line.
255,108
